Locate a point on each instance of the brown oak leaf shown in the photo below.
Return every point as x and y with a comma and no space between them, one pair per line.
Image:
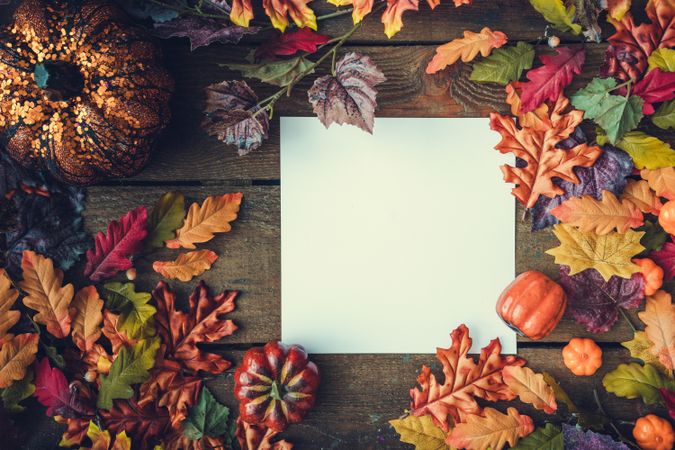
16,355
8,295
147,424
639,193
186,266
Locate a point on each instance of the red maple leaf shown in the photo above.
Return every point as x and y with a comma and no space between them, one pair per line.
284,44
53,391
665,258
112,250
548,81
656,87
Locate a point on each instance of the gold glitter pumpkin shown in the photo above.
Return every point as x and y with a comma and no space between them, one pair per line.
82,92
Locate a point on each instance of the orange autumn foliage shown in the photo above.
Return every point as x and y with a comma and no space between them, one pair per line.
466,48
530,387
88,317
662,181
8,295
186,266
659,320
599,216
640,194
16,355
493,431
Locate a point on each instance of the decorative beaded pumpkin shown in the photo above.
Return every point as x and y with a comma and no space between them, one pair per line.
82,92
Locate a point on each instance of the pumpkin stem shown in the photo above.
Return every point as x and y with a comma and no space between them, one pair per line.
276,391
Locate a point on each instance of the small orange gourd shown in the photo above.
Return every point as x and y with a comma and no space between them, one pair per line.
667,217
532,304
652,273
582,356
653,433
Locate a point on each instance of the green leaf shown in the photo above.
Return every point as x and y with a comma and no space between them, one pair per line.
504,64
664,117
654,236
278,73
647,151
634,380
165,218
662,58
41,75
549,437
17,391
556,14
135,312
130,367
206,418
616,114
420,432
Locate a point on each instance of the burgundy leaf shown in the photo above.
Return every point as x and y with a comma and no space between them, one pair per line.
668,397
202,31
285,44
594,302
656,87
113,249
665,258
349,96
53,391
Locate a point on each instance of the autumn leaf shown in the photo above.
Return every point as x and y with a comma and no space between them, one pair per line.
258,437
202,31
600,217
504,64
420,432
186,266
609,254
171,389
540,119
464,379
88,318
349,96
664,117
166,216
16,392
639,348
616,9
638,193
53,391
361,8
662,181
241,12
203,221
647,151
656,87
659,318
135,311
392,17
548,81
665,258
147,424
45,293
8,295
634,380
530,388
279,12
555,13
662,58
16,355
466,48
548,437
492,431
117,338
101,440
207,417
285,44
114,249
278,73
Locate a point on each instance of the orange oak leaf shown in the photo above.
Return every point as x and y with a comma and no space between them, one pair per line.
537,119
8,295
280,10
117,338
258,437
45,293
178,441
466,48
464,380
639,193
537,149
75,432
16,355
186,266
202,323
662,181
599,216
172,390
392,17
492,431
201,222
241,12
97,360
659,320
530,387
361,8
88,317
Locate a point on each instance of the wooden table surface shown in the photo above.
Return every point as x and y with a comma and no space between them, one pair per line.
358,393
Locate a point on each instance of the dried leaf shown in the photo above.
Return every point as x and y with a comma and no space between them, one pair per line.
285,44
662,181
16,355
392,17
8,295
600,217
349,96
504,64
186,266
665,258
639,348
166,216
555,13
530,388
202,222
609,254
45,293
492,431
639,193
656,87
202,31
659,318
634,380
420,432
466,48
578,439
88,318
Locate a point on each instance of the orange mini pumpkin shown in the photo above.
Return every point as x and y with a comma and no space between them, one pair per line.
582,356
667,217
652,273
532,304
653,433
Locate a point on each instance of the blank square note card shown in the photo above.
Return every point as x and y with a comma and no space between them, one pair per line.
389,241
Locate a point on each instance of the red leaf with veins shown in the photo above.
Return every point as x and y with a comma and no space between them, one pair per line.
112,250
665,258
285,44
548,81
53,391
656,87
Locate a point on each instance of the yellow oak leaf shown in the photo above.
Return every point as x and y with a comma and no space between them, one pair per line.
599,216
16,355
100,439
492,431
639,348
662,58
640,194
659,320
186,266
8,295
610,254
530,387
662,181
280,10
420,432
392,17
88,308
647,151
201,222
466,48
45,293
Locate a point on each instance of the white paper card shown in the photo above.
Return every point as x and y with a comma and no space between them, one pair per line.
389,241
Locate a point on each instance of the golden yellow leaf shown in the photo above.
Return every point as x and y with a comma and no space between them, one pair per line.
15,356
640,194
201,222
43,285
662,181
8,296
466,48
88,317
609,254
659,320
639,348
530,387
492,431
420,431
186,266
599,216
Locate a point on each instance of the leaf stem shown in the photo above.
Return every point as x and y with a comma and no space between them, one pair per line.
625,316
618,432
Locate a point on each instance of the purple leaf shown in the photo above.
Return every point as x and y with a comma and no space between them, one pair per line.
665,258
608,173
577,439
202,31
594,302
